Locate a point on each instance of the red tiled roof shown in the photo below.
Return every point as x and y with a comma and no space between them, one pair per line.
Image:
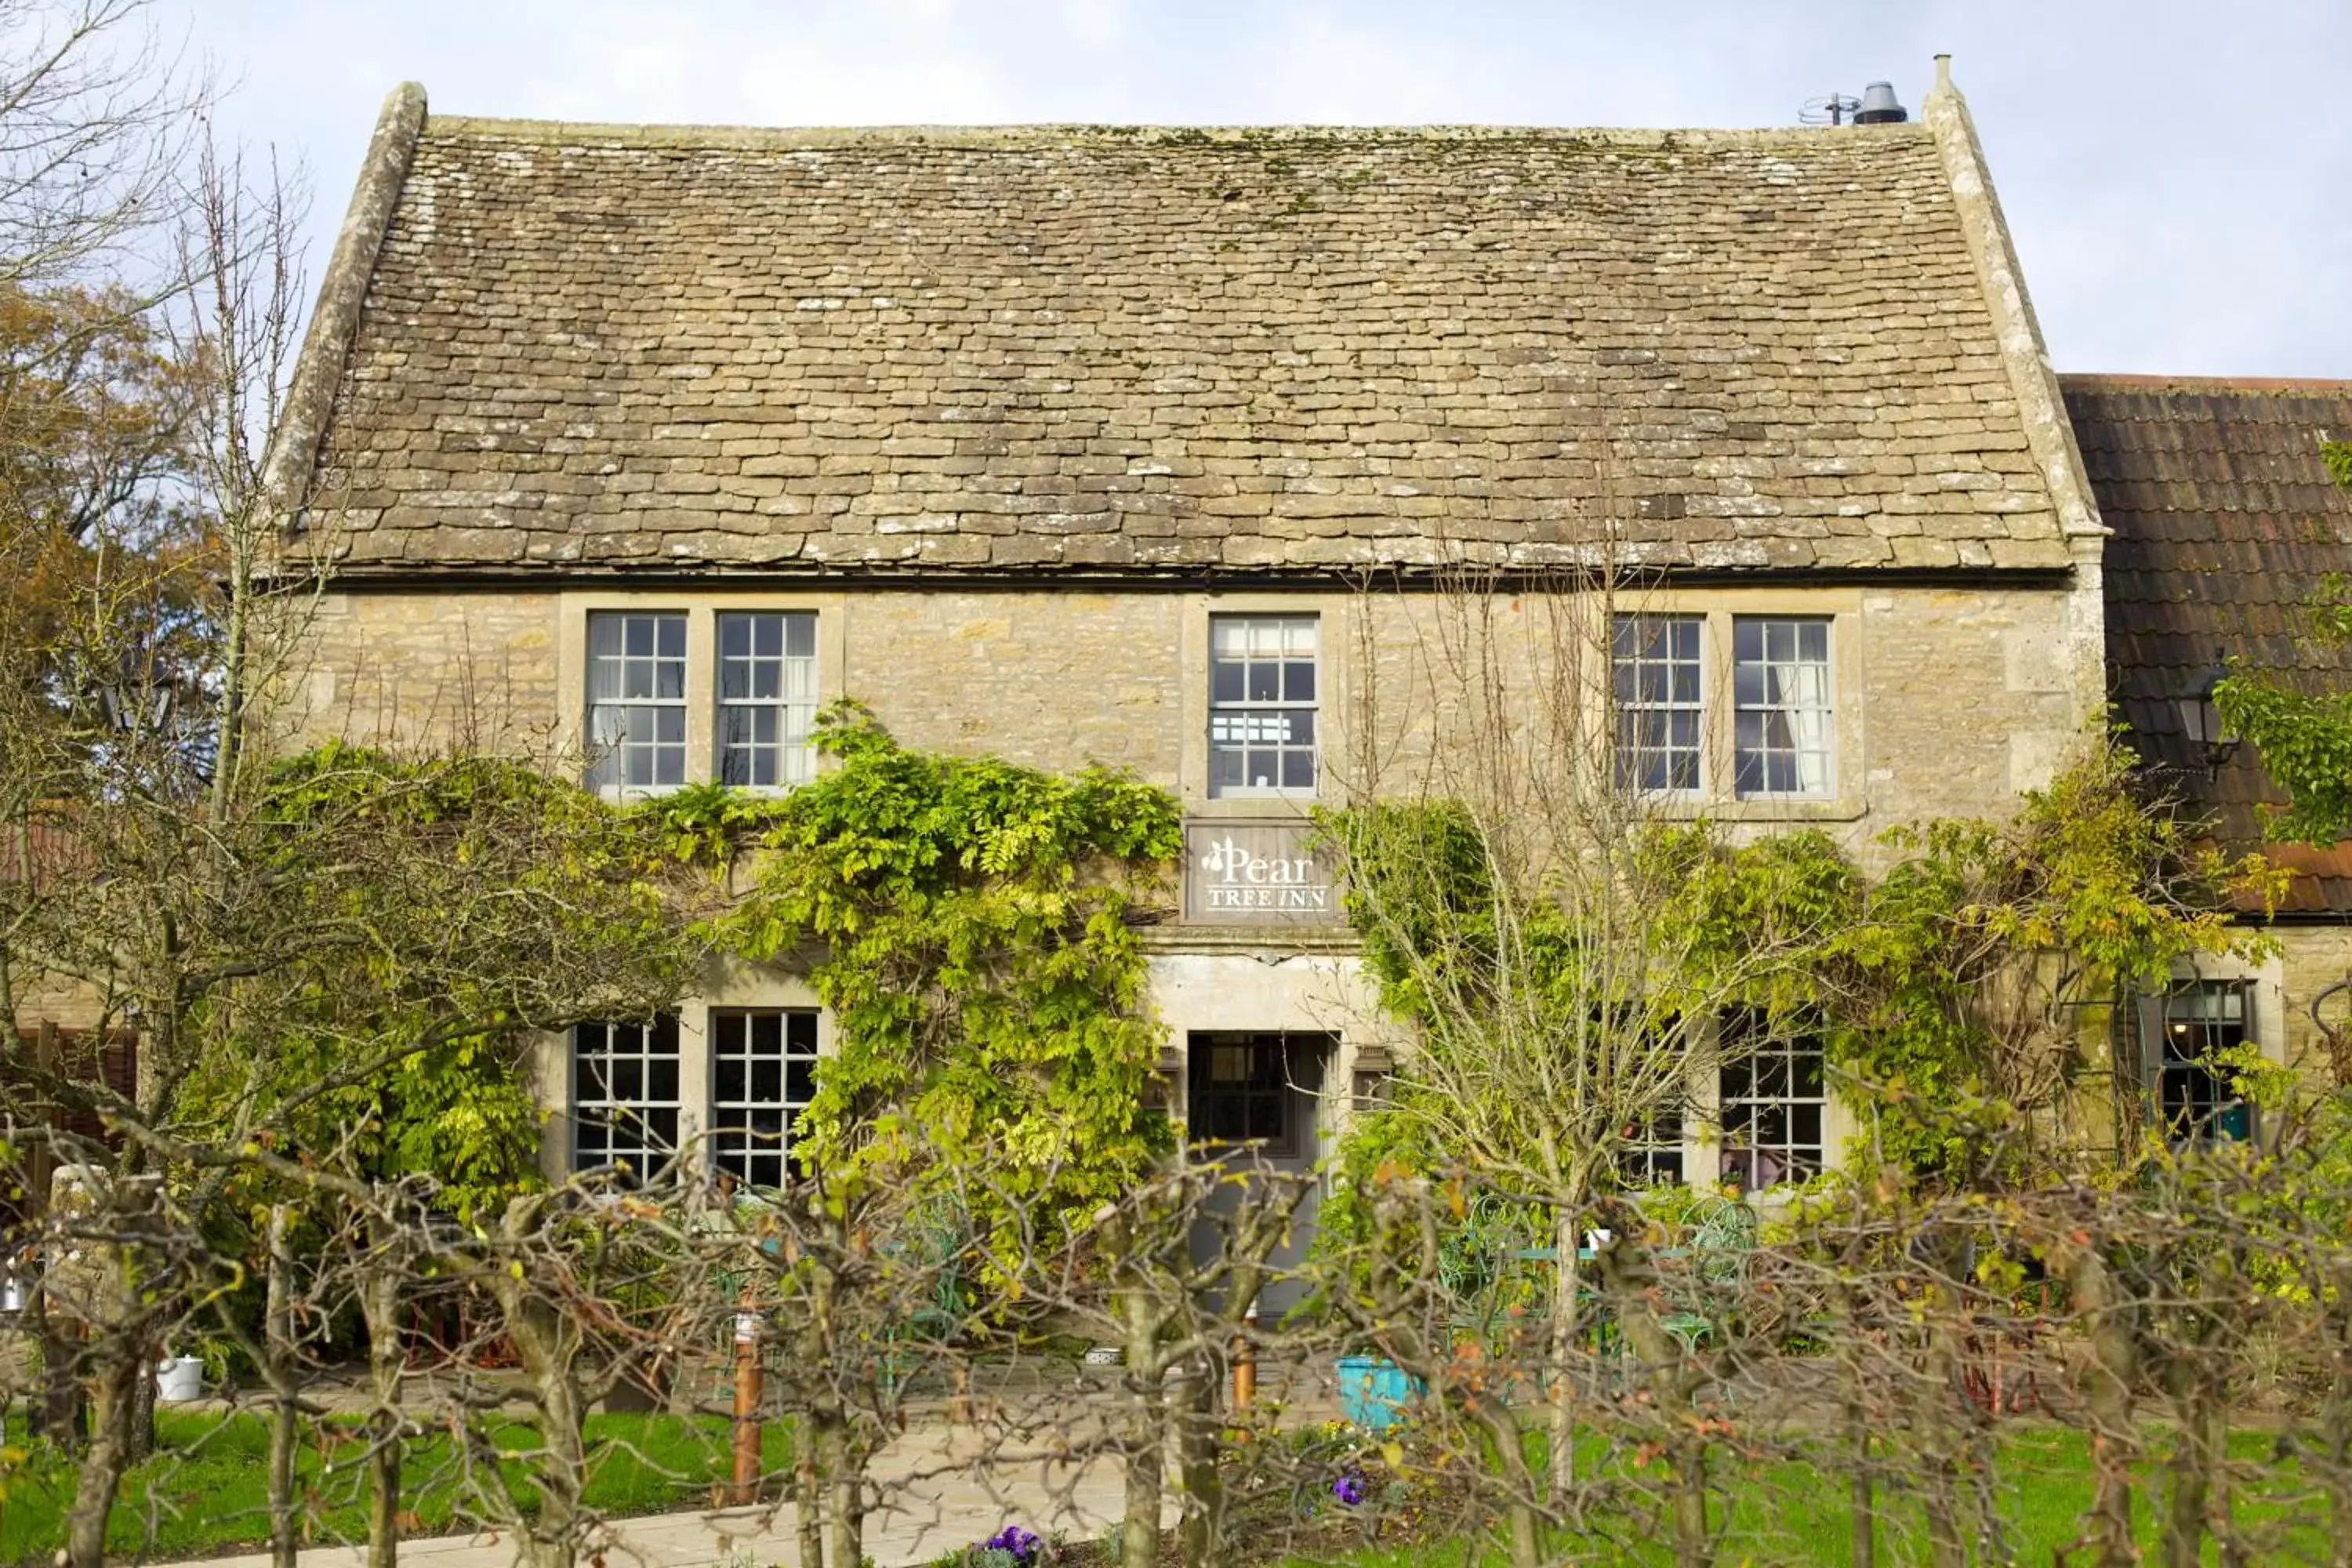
2224,521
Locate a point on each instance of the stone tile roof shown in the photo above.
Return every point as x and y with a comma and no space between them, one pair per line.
2223,520
1039,350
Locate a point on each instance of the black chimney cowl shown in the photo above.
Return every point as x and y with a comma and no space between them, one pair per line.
1879,107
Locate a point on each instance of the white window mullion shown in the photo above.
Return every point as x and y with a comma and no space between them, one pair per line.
767,698
1783,711
1263,683
624,1098
762,1075
636,700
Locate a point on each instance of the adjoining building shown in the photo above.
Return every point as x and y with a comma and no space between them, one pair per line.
635,446
2224,524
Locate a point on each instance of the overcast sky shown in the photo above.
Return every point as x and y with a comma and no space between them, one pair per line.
2178,172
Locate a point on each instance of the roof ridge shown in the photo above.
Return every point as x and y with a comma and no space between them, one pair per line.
2138,381
689,134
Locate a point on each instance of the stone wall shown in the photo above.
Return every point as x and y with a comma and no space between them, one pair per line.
2311,959
1050,679
1949,700
429,670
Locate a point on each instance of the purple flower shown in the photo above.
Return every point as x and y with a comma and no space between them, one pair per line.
1348,1489
1021,1543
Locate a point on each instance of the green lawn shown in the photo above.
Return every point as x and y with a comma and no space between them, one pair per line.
204,1491
1788,1513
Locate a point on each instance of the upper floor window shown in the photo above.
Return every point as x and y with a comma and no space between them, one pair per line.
636,700
1781,703
1262,705
2194,1095
1771,1097
1654,663
762,1075
767,698
624,1095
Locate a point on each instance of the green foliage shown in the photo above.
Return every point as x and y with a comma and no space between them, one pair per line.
968,922
1385,1144
2337,455
1422,895
451,906
2305,741
1945,989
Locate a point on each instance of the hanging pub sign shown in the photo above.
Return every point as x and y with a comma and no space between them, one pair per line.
1244,873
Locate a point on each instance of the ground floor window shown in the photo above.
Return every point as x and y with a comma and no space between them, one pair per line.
762,1075
1651,1153
623,1094
2194,1100
1772,1098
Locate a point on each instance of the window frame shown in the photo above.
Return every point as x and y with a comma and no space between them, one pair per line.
1282,703
783,704
1278,1089
701,606
2165,1064
1828,709
645,1108
1744,1040
612,754
1622,708
731,1140
1650,1144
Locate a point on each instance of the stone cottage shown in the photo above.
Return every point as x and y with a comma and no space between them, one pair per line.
635,445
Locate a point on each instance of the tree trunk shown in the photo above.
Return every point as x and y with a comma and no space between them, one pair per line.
1861,1483
1861,1501
61,1414
844,1481
840,1462
547,1341
1940,1467
2198,1453
1563,1357
2337,1422
108,1457
141,1434
547,1347
1196,1418
1632,1286
117,1350
552,1540
808,1498
278,1370
380,1305
1146,1426
2106,1393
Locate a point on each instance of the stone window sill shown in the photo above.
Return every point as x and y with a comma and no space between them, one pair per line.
1691,809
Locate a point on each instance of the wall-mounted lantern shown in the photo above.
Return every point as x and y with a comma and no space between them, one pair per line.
2202,720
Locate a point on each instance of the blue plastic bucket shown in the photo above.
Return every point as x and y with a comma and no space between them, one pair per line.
1373,1392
